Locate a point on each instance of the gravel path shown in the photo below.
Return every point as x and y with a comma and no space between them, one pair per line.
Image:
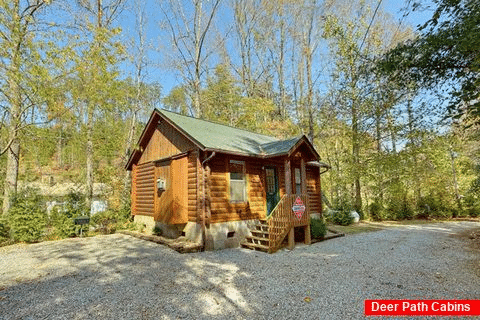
121,277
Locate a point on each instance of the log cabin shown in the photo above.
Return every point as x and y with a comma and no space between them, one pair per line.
222,186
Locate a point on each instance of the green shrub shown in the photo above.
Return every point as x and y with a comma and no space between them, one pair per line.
106,221
318,228
405,211
111,220
124,213
432,206
471,205
27,217
4,229
342,214
376,211
61,219
75,205
61,224
157,231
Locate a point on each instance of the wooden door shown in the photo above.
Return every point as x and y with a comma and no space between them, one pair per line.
272,190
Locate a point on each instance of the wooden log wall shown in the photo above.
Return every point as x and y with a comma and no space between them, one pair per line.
192,194
313,189
171,205
222,209
143,189
165,141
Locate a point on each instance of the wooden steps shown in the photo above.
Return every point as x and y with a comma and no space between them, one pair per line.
259,239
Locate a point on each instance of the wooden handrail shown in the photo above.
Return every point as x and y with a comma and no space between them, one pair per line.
274,209
282,219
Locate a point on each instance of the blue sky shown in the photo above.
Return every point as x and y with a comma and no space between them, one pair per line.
158,70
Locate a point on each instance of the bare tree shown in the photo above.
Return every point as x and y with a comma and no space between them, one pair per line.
189,39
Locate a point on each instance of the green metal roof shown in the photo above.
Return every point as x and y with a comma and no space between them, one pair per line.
217,136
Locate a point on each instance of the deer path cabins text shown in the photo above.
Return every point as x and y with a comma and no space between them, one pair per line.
211,183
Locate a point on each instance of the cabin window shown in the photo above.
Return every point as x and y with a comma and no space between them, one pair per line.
298,181
238,183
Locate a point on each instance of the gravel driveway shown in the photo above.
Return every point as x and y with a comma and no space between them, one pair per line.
121,277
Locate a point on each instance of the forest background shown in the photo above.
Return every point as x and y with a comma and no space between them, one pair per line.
80,78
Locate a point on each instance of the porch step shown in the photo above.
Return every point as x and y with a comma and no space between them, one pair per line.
255,246
261,227
259,240
260,233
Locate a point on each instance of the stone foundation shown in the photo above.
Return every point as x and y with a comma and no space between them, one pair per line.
218,235
147,221
171,231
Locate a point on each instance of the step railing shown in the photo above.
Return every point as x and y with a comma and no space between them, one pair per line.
282,219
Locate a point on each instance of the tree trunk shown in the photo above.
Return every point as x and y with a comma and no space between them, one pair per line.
198,49
128,150
356,160
378,138
10,189
411,128
89,160
13,153
281,80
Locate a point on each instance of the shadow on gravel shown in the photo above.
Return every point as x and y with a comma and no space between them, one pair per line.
124,278
121,277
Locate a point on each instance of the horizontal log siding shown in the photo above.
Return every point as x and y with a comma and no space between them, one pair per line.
256,190
192,186
143,189
165,142
313,189
171,204
222,210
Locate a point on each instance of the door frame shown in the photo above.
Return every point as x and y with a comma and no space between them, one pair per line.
276,194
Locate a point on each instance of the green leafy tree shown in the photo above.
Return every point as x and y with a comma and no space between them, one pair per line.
445,53
29,85
96,70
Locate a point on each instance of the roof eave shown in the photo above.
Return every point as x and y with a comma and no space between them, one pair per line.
129,164
304,139
159,115
186,134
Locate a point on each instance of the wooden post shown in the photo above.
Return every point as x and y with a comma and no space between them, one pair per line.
288,177
291,238
308,237
320,201
288,192
303,175
208,211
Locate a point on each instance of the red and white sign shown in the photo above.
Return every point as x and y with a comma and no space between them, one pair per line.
298,208
422,308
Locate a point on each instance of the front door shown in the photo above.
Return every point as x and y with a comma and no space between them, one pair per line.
271,188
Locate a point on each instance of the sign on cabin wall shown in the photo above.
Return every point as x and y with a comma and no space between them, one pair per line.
298,208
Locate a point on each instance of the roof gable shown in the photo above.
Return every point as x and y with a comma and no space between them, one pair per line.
207,135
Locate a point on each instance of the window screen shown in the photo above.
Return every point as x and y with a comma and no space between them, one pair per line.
238,183
298,181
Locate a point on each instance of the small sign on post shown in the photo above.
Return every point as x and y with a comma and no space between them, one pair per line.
81,221
298,208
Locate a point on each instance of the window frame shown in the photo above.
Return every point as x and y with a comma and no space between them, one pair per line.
297,180
231,164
